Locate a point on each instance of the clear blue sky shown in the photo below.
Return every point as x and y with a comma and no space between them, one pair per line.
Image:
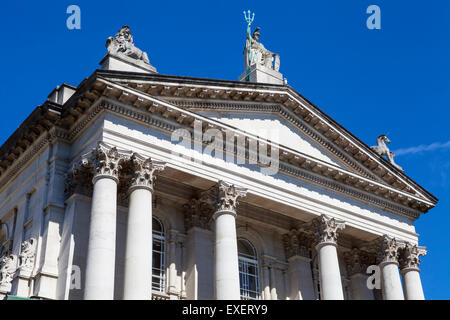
394,80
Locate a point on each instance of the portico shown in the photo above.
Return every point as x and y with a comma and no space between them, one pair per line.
158,187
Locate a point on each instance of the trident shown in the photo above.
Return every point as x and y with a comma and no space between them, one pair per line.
249,19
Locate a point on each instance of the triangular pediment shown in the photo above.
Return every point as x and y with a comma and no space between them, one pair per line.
276,129
309,140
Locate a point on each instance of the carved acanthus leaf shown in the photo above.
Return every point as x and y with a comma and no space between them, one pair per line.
198,212
227,195
326,229
297,243
144,171
388,249
104,159
409,256
357,261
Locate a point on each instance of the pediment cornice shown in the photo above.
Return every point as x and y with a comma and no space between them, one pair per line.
398,196
306,116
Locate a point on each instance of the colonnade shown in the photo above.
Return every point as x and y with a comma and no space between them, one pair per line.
106,163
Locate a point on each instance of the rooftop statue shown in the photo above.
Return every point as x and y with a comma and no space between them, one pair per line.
382,150
255,52
123,44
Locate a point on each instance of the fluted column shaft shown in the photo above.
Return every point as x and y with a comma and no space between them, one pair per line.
330,276
227,285
139,241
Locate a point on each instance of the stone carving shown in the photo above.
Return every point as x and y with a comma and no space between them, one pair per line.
8,266
223,197
27,255
326,229
144,171
79,180
382,150
358,261
122,44
387,249
409,256
105,160
227,195
198,212
297,243
255,52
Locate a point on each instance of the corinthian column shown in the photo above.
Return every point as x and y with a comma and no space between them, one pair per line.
101,253
138,252
409,269
326,233
357,262
226,257
388,263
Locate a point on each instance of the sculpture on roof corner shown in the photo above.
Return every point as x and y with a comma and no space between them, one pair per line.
255,52
122,44
382,150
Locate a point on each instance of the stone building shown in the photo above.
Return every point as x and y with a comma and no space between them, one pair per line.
136,185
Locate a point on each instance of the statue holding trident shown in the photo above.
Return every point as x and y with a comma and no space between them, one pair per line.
255,52
248,44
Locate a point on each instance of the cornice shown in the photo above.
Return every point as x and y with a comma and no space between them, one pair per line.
306,173
168,87
285,114
101,94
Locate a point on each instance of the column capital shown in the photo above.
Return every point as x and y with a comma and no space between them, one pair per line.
223,196
326,229
198,212
144,172
297,243
409,257
387,249
357,261
105,161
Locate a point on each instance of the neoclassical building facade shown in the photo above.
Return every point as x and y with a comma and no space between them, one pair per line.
136,185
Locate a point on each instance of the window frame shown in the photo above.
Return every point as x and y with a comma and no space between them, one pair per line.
159,274
245,262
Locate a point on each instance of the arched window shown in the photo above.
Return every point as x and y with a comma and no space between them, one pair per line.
248,270
159,256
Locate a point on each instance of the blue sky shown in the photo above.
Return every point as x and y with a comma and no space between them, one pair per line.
394,80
